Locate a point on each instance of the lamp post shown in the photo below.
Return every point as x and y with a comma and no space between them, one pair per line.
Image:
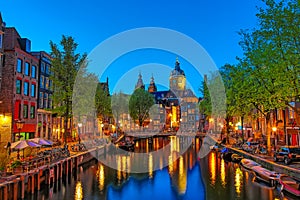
274,129
19,124
79,127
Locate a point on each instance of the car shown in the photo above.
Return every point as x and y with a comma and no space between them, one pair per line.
250,146
287,154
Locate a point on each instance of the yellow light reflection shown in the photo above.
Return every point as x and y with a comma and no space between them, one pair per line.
101,177
161,163
170,165
182,177
150,165
124,166
223,173
78,191
212,166
238,180
119,175
128,164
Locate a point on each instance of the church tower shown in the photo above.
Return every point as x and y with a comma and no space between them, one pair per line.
177,78
152,86
140,83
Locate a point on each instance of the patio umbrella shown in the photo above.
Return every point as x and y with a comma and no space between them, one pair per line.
22,144
42,141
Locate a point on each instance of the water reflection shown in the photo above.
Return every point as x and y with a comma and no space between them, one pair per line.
78,191
238,180
223,174
184,178
212,167
101,176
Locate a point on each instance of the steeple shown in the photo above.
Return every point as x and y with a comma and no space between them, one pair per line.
177,78
140,83
152,86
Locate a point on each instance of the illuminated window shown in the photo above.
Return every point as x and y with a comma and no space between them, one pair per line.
18,86
25,111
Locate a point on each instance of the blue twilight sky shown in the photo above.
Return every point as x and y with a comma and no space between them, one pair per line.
212,23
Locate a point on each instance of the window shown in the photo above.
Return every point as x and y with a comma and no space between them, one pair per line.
18,86
26,70
41,100
42,82
50,84
42,67
33,71
1,37
25,111
47,69
19,65
32,112
45,100
26,88
46,83
32,93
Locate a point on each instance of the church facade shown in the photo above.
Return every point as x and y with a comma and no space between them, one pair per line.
176,108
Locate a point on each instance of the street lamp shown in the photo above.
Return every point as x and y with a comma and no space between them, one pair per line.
79,127
274,129
19,124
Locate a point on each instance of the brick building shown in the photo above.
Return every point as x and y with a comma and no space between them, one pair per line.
44,115
19,86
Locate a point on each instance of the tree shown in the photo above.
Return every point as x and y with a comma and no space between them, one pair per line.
119,105
65,65
271,58
140,103
103,103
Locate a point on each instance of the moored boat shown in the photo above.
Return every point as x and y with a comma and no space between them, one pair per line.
263,174
248,164
290,185
236,158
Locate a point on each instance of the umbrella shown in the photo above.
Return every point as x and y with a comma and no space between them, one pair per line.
22,144
42,141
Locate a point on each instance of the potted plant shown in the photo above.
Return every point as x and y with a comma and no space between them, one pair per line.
16,166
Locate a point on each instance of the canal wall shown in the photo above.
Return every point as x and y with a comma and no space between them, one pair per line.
283,169
264,161
16,186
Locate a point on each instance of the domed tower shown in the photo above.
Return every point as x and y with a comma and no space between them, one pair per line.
177,78
140,83
152,86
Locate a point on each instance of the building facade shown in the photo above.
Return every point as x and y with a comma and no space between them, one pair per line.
44,114
19,86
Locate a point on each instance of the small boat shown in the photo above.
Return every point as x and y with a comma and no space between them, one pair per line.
227,156
290,185
265,175
236,158
248,164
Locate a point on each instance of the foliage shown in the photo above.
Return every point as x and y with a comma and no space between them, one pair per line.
271,55
120,105
65,65
139,105
16,164
103,103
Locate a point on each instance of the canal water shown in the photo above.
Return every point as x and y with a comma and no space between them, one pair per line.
187,177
